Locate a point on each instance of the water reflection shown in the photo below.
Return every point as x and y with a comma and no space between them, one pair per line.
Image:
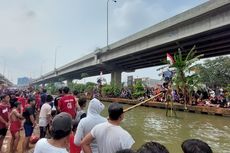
150,124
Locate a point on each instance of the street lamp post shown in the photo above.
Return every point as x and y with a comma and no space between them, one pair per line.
108,21
55,56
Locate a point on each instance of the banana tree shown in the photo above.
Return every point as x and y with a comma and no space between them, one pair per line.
184,67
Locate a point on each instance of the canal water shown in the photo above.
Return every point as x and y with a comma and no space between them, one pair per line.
150,124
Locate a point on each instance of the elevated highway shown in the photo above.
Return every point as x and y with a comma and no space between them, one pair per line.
4,81
207,26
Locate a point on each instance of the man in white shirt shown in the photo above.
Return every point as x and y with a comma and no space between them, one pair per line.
110,137
45,116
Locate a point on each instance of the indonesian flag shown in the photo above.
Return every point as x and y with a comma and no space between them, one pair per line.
170,59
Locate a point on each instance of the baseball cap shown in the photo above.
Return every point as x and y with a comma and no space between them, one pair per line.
61,125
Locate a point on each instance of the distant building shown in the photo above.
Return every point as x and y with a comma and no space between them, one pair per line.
130,81
24,81
149,82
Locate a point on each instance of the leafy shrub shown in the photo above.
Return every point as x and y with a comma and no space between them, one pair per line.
138,90
89,87
51,89
112,90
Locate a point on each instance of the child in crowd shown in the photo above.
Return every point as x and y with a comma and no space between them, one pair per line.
45,116
15,126
81,112
29,124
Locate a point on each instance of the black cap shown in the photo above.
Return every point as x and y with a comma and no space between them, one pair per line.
61,125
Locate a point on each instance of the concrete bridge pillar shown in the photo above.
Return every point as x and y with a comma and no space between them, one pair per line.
116,77
69,81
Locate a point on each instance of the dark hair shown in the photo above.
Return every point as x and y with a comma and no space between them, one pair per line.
57,135
126,151
75,92
3,96
15,104
13,101
152,147
66,90
44,90
30,100
81,101
60,90
115,110
195,146
49,98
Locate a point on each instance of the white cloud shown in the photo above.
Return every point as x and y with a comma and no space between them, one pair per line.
133,16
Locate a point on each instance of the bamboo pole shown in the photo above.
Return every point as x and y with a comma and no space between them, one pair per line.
134,106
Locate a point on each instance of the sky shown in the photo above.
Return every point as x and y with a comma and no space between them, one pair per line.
31,31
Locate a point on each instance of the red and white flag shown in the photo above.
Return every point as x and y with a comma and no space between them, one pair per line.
170,59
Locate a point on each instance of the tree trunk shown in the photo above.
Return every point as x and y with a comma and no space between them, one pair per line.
185,89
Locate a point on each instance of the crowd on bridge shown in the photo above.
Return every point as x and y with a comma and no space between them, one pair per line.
65,126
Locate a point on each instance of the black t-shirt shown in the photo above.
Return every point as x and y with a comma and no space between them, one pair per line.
26,114
56,100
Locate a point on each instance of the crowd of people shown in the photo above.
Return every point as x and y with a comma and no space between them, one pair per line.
205,97
65,126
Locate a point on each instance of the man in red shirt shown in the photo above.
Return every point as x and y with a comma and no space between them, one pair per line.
4,117
67,103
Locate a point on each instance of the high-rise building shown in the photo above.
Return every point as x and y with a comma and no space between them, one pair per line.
24,81
130,81
146,81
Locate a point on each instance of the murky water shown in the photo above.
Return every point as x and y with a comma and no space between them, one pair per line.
151,124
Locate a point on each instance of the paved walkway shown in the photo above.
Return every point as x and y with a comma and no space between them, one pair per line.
6,143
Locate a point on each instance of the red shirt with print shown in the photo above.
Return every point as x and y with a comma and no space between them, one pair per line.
4,113
67,104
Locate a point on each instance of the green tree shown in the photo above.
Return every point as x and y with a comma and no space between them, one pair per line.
89,87
51,89
60,79
71,86
111,90
185,76
138,89
215,72
84,75
228,91
79,87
